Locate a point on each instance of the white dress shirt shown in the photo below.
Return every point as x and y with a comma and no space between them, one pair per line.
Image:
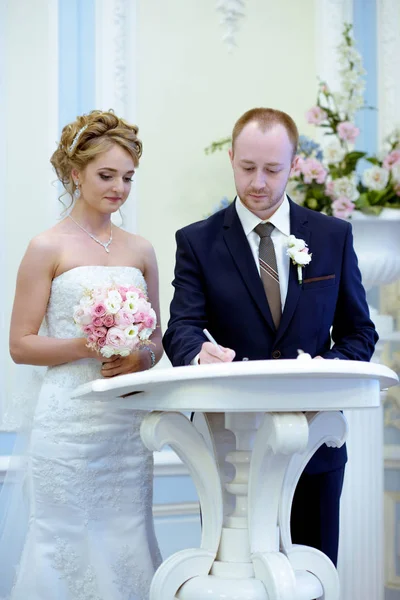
281,221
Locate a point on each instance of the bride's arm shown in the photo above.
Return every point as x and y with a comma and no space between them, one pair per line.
32,293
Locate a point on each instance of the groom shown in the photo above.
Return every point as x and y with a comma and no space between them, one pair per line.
233,277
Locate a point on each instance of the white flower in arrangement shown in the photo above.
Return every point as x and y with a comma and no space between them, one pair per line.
346,186
131,305
334,153
132,331
114,296
297,250
112,306
132,296
375,178
145,333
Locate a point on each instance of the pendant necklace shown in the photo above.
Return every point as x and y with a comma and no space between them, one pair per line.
104,244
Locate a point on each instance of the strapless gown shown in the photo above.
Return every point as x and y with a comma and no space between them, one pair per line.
90,533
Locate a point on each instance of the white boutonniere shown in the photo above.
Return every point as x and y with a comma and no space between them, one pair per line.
297,250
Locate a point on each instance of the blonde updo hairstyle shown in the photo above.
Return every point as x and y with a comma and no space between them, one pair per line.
87,137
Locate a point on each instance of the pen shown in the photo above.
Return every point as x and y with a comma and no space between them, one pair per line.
210,338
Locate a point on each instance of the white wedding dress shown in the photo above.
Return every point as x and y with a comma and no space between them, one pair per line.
88,482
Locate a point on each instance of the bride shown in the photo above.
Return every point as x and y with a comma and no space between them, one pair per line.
87,487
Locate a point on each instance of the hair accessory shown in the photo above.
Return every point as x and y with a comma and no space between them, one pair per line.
76,139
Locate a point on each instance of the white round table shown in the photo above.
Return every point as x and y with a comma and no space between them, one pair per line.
257,425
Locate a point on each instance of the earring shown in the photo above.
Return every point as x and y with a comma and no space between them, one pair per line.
77,191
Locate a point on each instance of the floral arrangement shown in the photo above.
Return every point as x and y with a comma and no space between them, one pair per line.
297,250
328,177
115,319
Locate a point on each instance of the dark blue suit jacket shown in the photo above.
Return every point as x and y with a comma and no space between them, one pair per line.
217,286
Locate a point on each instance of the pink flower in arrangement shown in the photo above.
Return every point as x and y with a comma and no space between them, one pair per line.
312,169
347,131
316,115
92,339
100,332
391,159
87,329
123,318
342,207
99,309
97,321
101,342
116,338
108,321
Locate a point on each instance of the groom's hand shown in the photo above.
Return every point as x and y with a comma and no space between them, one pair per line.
210,353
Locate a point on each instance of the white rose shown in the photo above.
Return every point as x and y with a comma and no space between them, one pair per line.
300,258
375,178
295,243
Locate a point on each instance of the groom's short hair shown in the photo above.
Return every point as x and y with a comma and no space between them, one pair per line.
266,118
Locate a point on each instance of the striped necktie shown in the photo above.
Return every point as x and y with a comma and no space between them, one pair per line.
269,270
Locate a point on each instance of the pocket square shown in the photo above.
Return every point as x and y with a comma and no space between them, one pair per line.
323,278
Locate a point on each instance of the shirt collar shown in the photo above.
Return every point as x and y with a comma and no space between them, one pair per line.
280,219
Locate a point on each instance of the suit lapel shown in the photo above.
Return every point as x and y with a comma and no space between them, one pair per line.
299,228
239,248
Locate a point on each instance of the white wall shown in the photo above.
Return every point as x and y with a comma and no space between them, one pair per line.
190,91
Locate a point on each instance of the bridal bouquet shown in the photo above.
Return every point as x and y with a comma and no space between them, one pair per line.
115,319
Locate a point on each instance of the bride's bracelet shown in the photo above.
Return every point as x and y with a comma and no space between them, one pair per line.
152,356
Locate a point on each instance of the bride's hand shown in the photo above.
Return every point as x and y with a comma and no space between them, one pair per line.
140,360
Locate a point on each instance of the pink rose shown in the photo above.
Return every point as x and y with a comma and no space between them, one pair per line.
123,318
99,309
101,342
342,207
92,339
391,159
116,338
108,321
313,169
88,329
100,331
149,322
316,115
347,131
97,321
